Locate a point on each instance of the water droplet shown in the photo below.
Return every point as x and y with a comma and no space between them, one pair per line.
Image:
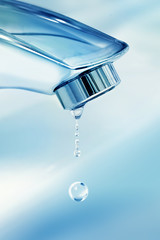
76,134
78,191
77,153
76,141
76,126
77,113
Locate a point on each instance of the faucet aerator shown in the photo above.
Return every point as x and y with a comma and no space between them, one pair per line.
87,86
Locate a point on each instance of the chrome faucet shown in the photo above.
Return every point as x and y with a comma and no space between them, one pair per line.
47,52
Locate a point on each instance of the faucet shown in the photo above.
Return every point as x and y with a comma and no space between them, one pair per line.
50,53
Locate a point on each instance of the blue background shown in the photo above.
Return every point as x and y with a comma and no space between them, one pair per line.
119,134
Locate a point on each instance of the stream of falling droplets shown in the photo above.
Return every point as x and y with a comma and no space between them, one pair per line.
77,113
78,191
77,151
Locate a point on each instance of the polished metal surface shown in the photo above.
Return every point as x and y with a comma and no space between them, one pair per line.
91,84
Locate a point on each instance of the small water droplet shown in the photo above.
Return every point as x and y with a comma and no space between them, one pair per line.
77,141
76,126
76,134
77,113
76,150
77,153
78,191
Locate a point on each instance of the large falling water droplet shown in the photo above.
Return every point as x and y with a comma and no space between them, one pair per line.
78,191
77,113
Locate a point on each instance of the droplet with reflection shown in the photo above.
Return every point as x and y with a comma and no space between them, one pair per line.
78,191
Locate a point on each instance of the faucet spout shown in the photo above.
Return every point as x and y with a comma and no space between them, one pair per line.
47,52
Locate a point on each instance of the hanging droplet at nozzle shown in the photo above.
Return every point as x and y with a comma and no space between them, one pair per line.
77,113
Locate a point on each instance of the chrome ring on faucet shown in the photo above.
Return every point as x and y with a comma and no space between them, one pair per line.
88,85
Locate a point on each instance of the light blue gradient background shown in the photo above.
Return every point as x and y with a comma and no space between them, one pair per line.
120,142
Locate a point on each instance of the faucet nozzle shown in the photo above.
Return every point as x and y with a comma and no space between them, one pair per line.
87,86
